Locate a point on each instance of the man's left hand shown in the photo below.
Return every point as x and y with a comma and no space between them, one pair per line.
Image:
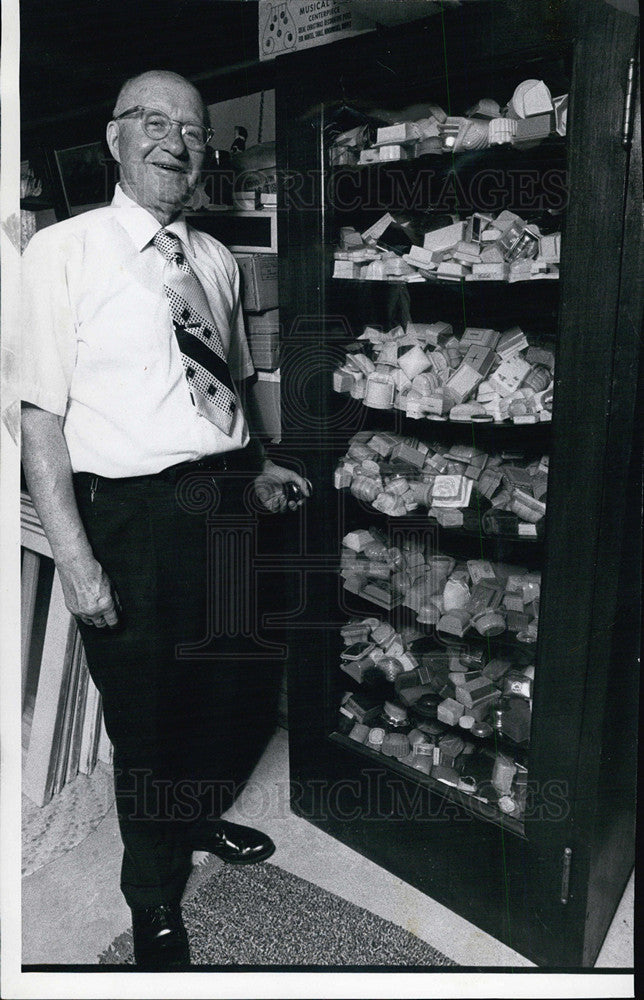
270,487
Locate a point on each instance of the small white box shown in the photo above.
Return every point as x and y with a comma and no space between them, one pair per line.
397,266
259,281
502,130
397,134
509,375
474,336
550,247
480,359
345,269
419,257
265,322
490,235
466,251
511,342
480,569
463,382
452,271
520,270
374,232
490,272
492,255
505,219
413,362
537,99
393,152
445,238
560,105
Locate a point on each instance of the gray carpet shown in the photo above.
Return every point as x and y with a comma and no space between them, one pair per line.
263,916
70,817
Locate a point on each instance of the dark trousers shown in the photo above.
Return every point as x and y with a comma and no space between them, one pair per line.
178,718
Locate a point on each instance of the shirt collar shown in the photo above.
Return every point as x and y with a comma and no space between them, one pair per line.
141,226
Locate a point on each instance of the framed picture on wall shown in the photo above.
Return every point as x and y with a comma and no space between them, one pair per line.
87,174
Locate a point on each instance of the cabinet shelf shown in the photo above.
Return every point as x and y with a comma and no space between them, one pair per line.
400,616
490,744
496,743
472,528
479,534
532,433
473,803
457,283
548,153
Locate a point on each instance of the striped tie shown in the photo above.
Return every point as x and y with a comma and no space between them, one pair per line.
202,352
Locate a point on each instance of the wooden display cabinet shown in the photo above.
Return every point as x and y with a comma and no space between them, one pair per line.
547,880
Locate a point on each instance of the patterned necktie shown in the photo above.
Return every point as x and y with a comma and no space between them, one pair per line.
202,352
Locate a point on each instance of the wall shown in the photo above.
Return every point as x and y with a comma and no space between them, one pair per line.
243,111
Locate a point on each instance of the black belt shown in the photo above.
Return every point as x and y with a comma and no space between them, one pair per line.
211,464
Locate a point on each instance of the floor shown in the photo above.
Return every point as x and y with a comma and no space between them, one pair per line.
73,909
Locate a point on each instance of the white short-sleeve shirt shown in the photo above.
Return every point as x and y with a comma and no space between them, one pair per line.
98,345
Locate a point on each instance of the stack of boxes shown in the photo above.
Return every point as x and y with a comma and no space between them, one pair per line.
481,247
259,274
476,597
444,701
397,475
263,331
259,285
425,371
530,116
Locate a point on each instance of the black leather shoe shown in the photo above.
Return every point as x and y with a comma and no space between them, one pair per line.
160,939
238,845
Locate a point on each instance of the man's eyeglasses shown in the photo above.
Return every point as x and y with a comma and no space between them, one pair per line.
157,125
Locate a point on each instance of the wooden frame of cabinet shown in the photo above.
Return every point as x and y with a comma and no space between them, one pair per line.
551,890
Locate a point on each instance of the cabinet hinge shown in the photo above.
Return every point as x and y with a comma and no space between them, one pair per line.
565,874
627,123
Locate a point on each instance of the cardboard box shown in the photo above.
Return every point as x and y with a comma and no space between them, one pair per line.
397,134
267,406
265,322
259,281
265,350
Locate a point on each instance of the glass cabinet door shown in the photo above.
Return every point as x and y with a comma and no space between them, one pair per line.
460,381
442,239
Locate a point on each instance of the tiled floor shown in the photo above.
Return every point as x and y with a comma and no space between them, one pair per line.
72,907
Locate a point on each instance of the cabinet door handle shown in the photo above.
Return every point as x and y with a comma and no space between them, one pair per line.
627,122
565,874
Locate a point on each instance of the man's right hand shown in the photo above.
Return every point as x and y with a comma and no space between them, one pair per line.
87,590
88,593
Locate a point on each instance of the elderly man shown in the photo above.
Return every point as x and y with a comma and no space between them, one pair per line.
134,360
